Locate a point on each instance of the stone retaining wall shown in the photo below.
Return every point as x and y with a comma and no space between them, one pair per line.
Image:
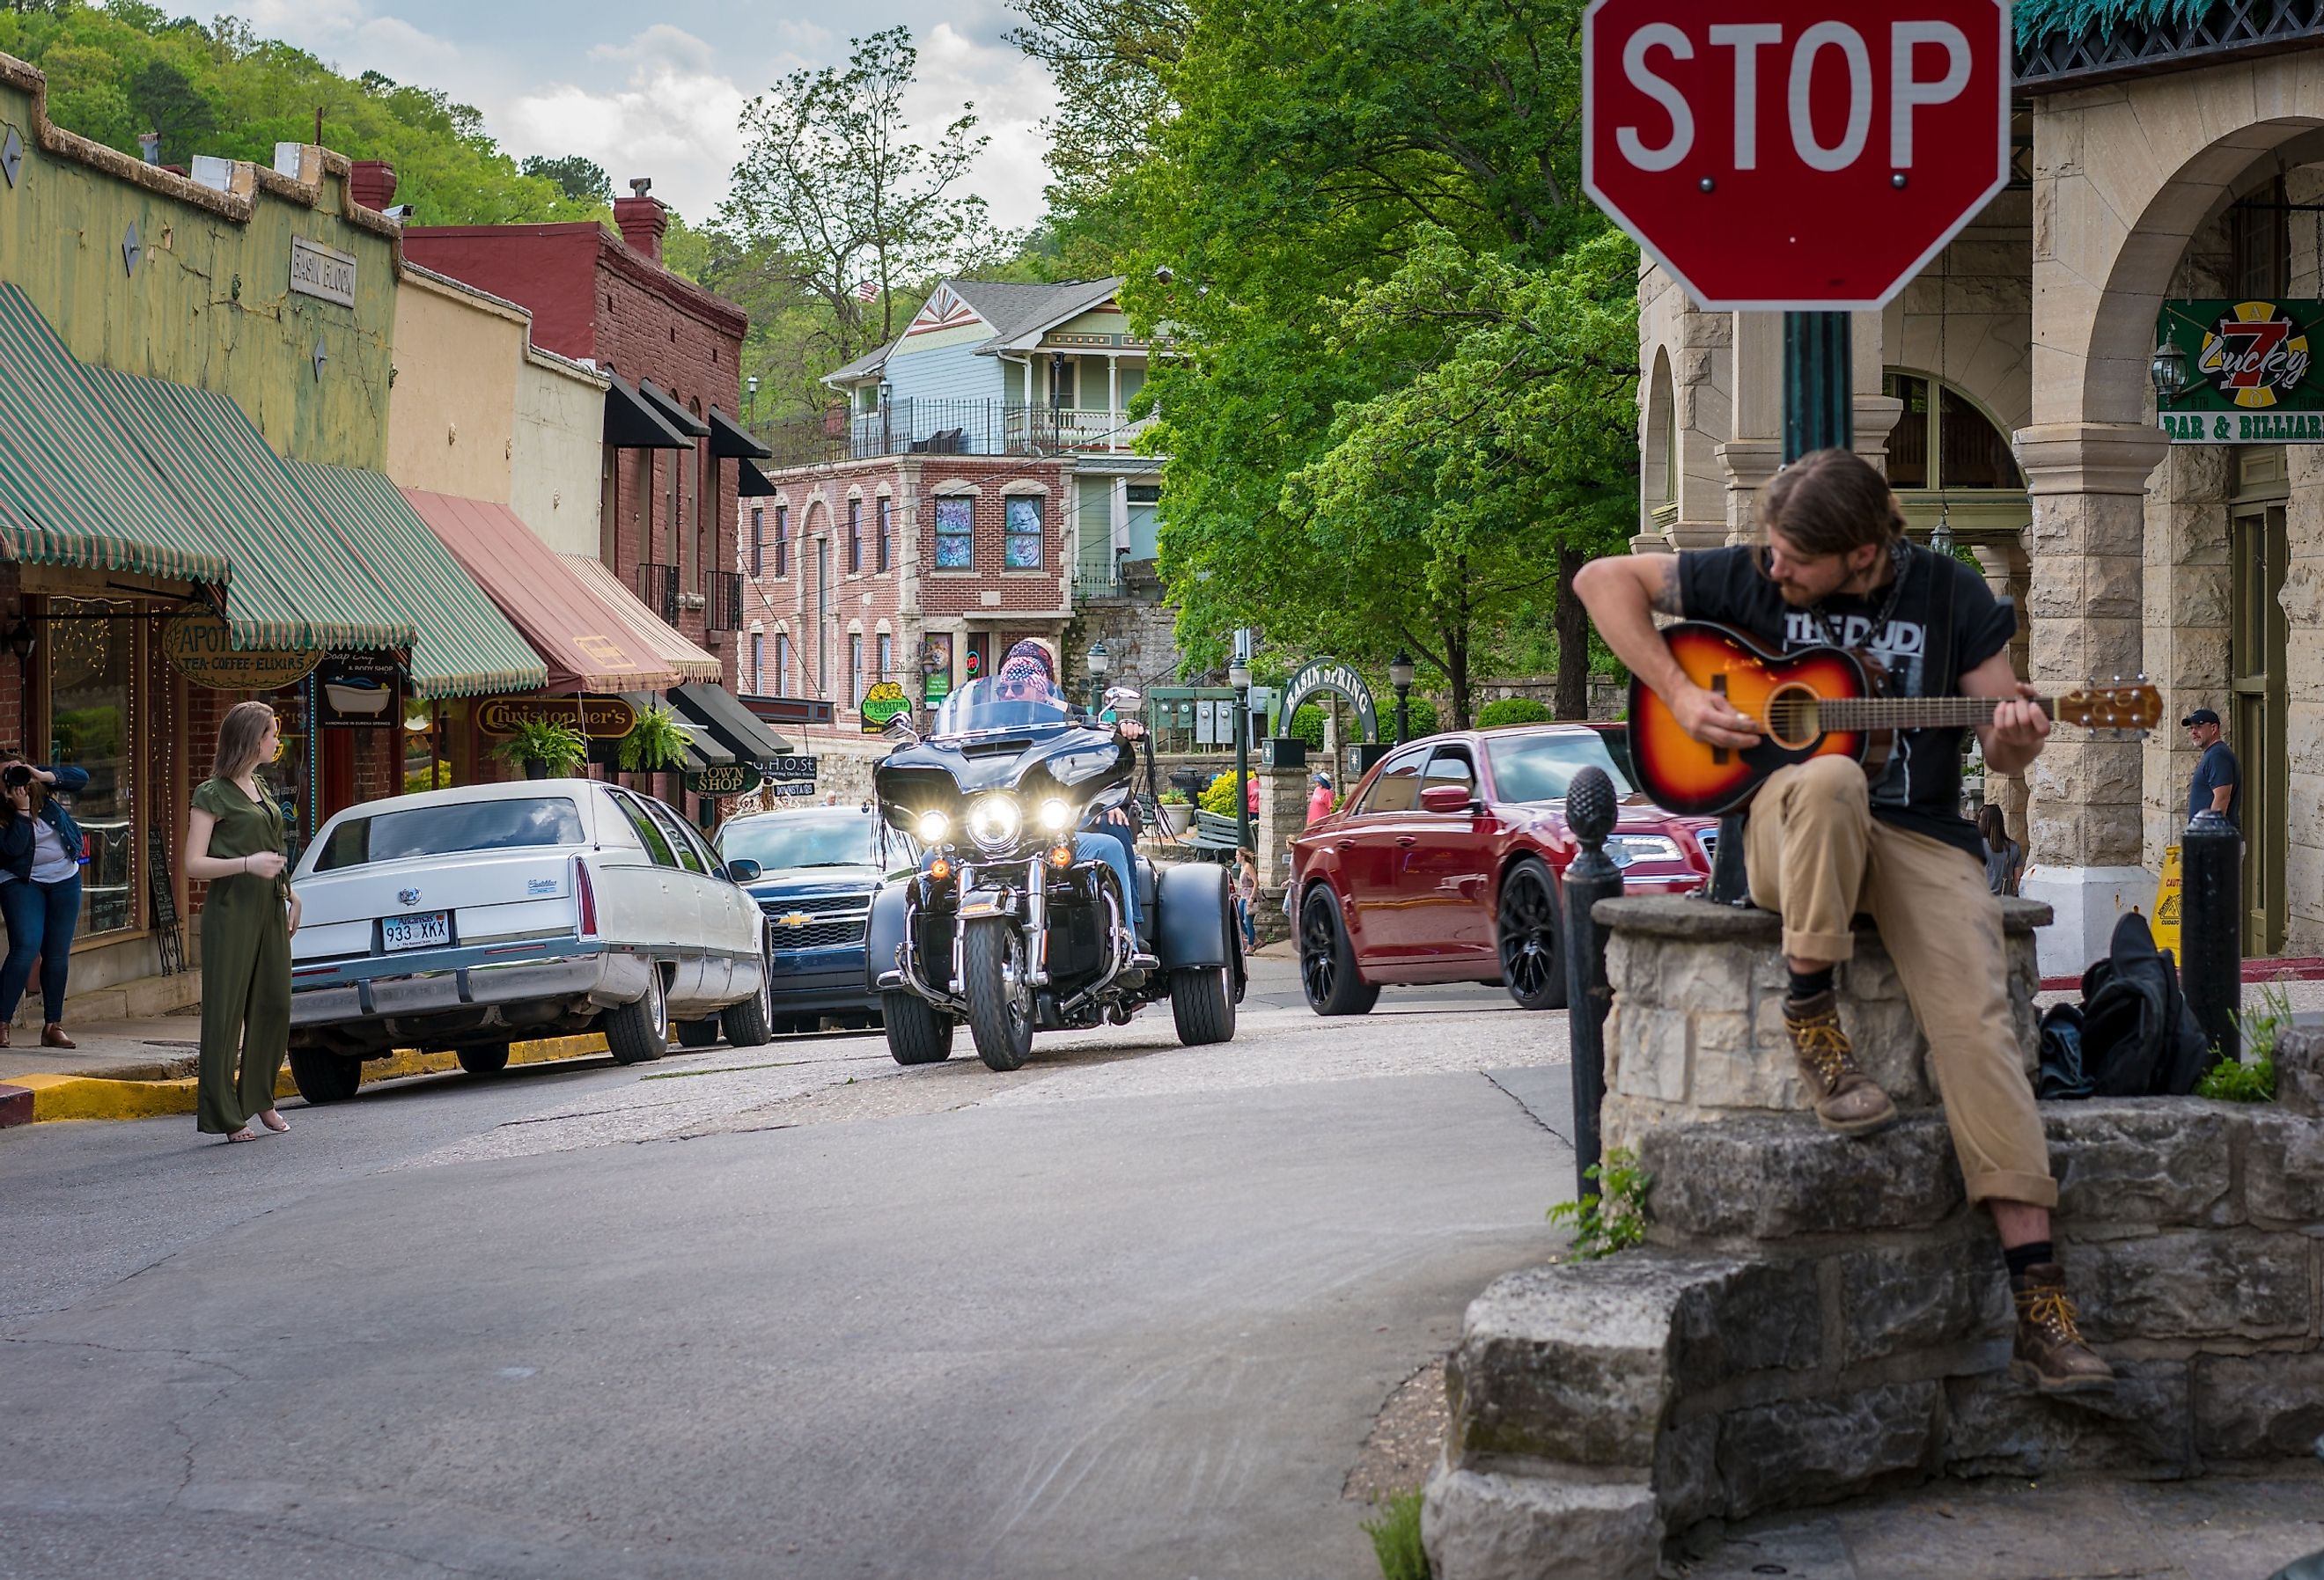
1816,1316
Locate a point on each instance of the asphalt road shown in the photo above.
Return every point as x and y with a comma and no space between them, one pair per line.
793,1312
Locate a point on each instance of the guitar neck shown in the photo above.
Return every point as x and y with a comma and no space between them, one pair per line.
1913,713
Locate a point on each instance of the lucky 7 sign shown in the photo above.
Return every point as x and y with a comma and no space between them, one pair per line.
1795,154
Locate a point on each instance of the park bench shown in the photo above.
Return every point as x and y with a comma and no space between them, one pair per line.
1217,836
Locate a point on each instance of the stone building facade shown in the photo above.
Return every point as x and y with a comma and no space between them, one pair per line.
2007,391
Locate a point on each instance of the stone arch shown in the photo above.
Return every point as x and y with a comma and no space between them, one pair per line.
1658,452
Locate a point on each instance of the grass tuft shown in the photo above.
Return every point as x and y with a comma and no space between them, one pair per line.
2252,1078
1395,1537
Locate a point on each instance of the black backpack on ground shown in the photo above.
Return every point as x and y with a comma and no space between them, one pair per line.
2132,1035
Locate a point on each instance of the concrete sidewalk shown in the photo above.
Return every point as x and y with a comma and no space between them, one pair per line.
151,1047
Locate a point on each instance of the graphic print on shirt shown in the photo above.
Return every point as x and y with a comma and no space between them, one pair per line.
1898,649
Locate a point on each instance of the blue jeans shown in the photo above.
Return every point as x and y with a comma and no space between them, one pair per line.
40,920
1099,845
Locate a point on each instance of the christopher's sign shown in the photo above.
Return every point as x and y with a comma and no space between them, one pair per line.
601,718
2248,372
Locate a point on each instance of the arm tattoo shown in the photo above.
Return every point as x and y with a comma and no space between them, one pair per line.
1665,597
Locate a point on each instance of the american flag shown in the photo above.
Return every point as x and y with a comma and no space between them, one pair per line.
867,290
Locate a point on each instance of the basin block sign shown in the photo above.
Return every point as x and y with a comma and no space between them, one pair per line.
882,704
1795,154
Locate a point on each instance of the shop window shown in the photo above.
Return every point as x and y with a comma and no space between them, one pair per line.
1024,545
882,527
758,541
886,648
854,668
782,666
91,662
782,540
758,663
1942,441
854,536
956,533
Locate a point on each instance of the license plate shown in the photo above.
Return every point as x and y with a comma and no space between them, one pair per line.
430,929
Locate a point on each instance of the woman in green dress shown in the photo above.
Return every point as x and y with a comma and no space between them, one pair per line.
234,844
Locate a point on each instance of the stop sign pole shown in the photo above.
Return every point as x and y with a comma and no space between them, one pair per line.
1802,156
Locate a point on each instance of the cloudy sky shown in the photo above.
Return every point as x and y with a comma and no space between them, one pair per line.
656,92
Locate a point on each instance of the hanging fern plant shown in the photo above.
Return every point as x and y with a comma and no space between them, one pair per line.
2038,18
655,742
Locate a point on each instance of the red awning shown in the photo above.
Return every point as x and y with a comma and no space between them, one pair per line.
588,644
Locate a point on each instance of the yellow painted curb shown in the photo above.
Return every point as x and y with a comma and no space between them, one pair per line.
58,1097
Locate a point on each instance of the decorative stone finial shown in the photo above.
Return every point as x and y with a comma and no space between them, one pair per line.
1589,807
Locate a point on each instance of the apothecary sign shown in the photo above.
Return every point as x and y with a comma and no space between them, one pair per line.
2250,374
318,271
200,647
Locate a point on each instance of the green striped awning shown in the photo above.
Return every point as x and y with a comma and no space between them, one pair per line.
294,584
73,491
466,647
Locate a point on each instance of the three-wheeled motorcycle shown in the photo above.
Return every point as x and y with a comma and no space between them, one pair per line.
1016,921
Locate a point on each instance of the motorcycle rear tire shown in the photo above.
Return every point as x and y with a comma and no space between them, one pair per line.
918,1031
1000,1021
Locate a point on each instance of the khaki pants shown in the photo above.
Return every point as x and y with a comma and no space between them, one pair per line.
1816,854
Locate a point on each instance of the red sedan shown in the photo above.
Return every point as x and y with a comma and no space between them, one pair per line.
1443,864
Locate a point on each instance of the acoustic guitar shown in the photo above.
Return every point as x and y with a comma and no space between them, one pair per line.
1817,702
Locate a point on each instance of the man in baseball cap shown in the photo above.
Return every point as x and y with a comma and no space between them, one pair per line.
2219,783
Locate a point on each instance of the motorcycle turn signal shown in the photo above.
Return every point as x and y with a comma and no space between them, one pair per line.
1061,857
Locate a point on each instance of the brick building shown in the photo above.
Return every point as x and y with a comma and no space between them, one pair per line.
671,349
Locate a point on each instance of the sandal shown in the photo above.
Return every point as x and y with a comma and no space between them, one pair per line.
244,1134
274,1121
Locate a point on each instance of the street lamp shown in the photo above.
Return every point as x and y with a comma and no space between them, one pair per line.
1399,675
1238,677
2168,369
887,416
1098,659
751,400
1941,540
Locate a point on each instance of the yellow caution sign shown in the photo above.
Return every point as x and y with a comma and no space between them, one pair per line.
2166,902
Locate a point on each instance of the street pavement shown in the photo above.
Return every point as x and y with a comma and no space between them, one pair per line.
793,1311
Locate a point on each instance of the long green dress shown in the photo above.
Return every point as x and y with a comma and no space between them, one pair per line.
245,963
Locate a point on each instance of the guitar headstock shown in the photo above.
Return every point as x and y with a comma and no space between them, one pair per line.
2117,704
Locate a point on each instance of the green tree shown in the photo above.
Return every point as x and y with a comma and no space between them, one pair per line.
169,103
832,193
1352,218
583,181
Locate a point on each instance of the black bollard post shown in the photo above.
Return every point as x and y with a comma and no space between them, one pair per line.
1590,877
1729,885
2210,927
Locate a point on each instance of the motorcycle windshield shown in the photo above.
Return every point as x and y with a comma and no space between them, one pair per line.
992,707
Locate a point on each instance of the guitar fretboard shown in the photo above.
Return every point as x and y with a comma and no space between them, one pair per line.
1889,712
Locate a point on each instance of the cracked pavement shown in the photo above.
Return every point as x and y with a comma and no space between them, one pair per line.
1128,1311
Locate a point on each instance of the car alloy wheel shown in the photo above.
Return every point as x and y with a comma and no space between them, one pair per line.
1532,965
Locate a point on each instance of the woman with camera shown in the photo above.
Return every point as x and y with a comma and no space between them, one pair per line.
234,844
40,888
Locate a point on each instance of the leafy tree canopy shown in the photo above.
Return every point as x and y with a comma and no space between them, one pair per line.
117,72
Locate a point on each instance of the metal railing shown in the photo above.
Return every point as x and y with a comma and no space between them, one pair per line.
950,428
658,589
725,609
1097,573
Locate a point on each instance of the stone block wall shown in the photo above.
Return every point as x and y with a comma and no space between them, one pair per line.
1816,1316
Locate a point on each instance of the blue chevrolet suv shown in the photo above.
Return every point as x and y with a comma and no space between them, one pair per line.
818,869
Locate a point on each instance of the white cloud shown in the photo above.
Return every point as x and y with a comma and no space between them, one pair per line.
1011,94
673,120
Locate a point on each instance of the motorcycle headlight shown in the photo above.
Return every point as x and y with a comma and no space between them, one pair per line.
1055,815
995,821
933,828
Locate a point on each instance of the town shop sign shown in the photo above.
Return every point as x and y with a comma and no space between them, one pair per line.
2239,372
1321,675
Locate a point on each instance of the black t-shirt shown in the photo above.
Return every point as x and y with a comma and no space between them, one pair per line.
2216,768
1920,787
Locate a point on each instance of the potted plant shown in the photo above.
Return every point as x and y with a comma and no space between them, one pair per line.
657,742
545,748
1177,811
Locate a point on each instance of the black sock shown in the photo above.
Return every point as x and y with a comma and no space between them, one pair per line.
1806,985
2030,1254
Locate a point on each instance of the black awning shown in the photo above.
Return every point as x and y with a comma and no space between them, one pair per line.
749,483
730,721
632,423
677,416
727,440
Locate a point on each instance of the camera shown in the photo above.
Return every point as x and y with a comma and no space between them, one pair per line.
15,776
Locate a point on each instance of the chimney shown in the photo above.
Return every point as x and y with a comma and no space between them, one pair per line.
371,183
641,218
150,145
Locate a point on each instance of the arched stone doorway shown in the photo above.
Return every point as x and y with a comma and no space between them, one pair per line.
2133,544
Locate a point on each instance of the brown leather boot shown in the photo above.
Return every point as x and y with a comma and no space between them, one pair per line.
53,1035
1847,1101
2050,1353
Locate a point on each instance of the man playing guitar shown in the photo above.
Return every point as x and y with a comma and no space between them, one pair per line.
1823,841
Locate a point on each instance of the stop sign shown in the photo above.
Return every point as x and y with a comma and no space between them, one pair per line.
1808,154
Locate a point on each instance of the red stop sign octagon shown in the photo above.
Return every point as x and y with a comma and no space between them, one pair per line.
1803,154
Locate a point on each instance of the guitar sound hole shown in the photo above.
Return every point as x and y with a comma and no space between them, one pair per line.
1793,718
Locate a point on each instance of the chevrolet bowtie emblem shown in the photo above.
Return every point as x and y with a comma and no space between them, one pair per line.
796,918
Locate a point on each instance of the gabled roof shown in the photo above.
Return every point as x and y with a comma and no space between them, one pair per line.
1013,311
